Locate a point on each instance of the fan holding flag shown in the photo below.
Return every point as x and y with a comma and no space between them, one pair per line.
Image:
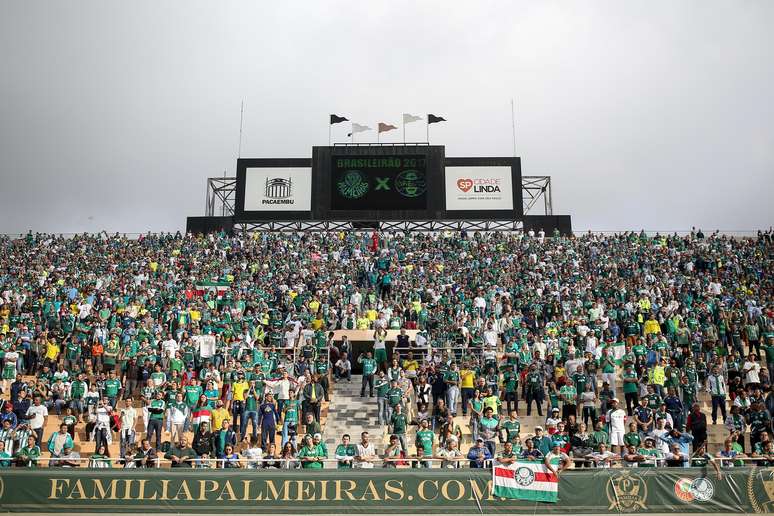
531,480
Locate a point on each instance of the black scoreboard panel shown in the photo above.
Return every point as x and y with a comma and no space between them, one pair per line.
378,182
388,182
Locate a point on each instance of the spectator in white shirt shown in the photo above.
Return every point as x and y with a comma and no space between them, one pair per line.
490,336
169,346
366,453
343,368
37,414
751,370
616,417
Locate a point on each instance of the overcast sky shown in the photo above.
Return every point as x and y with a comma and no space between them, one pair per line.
656,115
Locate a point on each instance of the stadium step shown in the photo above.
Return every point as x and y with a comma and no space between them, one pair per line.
348,413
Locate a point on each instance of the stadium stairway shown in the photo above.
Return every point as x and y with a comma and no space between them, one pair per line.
348,413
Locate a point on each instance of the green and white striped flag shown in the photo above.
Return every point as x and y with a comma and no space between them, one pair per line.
526,480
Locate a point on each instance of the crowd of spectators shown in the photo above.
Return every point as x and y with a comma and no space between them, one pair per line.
224,342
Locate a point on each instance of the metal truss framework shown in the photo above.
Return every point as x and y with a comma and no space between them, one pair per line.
385,225
533,189
221,192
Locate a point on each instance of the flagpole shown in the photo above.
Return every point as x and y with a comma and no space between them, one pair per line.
513,127
404,130
329,135
428,129
241,119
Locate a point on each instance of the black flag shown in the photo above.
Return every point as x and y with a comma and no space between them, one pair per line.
335,119
431,119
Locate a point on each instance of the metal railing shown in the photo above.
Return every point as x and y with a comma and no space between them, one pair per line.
399,462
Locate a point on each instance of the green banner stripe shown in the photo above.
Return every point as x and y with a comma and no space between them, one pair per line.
407,491
525,494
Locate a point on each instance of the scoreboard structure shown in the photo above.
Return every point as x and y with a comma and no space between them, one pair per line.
378,183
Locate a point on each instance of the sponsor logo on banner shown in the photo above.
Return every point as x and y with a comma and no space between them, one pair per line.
698,489
278,188
483,185
410,183
626,492
762,500
464,184
479,188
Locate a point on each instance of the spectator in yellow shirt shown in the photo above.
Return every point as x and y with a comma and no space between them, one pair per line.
219,415
52,352
239,388
410,365
317,322
652,326
467,386
363,323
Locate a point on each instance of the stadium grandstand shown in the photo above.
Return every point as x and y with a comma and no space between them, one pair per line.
386,351
445,262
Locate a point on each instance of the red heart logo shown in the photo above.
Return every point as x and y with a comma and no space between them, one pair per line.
464,184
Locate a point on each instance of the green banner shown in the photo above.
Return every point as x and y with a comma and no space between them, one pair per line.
415,491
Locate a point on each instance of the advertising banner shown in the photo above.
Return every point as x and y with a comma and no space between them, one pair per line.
406,491
478,188
278,189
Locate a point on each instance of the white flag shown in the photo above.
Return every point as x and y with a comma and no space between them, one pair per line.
407,118
357,128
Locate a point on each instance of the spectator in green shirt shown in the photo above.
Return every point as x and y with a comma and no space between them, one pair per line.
512,428
112,387
425,437
156,409
5,457
630,388
599,436
181,455
369,368
345,452
28,456
632,437
399,424
312,454
569,396
384,411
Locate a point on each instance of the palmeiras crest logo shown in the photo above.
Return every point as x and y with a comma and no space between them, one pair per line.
524,476
626,492
762,500
353,185
698,489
